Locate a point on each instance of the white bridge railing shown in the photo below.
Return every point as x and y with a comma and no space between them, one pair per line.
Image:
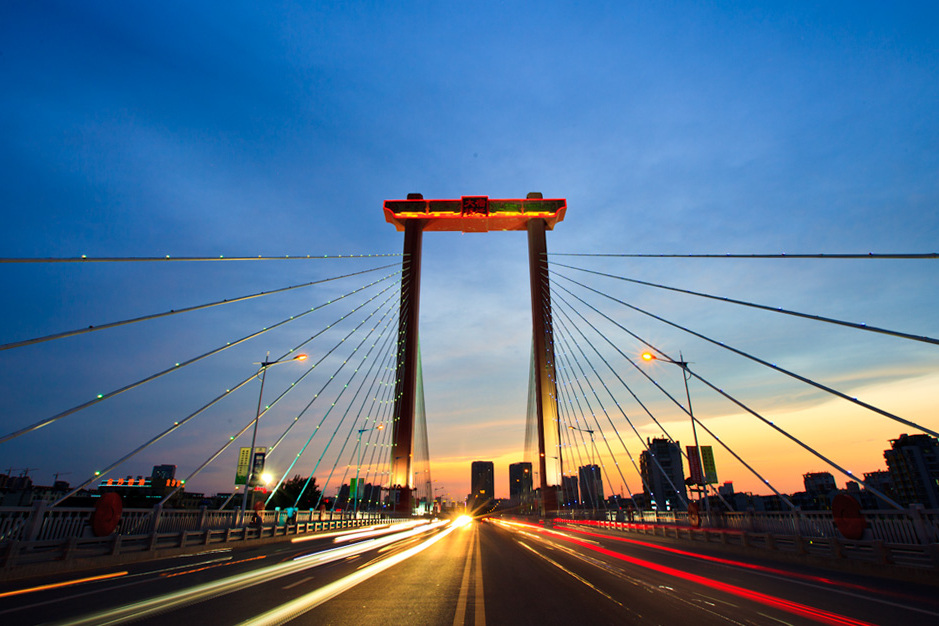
40,523
914,525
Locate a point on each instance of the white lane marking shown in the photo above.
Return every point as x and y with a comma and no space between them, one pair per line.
572,574
299,582
480,611
460,616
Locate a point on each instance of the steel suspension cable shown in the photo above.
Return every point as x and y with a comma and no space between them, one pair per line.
772,366
180,423
189,309
235,437
569,354
327,383
564,365
383,416
178,366
167,258
752,412
365,379
401,315
297,419
609,418
773,309
750,468
868,255
628,420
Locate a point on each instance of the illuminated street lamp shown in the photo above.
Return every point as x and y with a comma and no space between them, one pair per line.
648,356
358,447
265,364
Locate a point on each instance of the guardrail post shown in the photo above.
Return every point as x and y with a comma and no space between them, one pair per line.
13,549
923,533
155,520
799,544
881,555
71,545
933,551
837,550
203,516
770,541
36,517
116,544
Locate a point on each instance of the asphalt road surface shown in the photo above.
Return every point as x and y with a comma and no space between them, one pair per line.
495,572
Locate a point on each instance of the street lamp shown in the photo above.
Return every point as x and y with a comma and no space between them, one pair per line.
358,447
265,364
593,479
593,444
702,486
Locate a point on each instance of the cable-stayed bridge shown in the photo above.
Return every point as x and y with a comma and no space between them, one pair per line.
320,411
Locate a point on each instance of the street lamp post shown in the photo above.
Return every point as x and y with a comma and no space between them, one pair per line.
593,444
702,487
358,447
265,364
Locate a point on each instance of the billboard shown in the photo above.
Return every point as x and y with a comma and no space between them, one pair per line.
710,469
699,477
241,471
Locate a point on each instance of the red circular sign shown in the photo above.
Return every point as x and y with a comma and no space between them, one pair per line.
847,515
107,514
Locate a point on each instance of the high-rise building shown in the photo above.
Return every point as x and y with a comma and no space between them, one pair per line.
520,480
571,497
819,482
166,472
913,463
483,484
668,455
591,487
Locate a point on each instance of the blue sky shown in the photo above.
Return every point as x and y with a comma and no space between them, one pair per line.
680,127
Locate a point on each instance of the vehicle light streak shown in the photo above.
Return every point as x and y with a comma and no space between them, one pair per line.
67,583
301,605
212,566
237,582
704,557
821,615
377,531
343,533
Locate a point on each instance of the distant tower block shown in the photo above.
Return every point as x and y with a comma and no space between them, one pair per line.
470,214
